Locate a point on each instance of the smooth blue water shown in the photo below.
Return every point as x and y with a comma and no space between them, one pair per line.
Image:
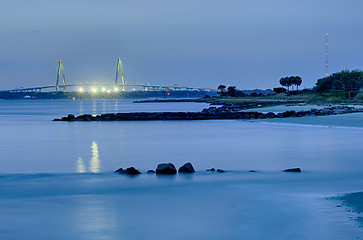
33,143
57,179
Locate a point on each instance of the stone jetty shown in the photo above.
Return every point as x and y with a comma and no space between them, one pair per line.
224,112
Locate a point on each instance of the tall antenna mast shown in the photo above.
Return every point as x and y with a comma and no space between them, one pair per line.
326,55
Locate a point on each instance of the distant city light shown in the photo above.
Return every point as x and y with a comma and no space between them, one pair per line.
81,90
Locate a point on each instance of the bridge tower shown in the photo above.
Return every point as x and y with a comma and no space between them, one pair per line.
118,70
60,74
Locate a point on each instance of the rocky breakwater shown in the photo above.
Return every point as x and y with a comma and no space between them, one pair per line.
208,114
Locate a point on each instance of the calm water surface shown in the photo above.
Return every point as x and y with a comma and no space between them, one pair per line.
49,188
33,143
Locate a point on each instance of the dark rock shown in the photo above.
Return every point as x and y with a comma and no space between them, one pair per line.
292,170
252,170
166,168
84,117
129,171
132,171
211,169
186,168
289,114
150,171
71,117
270,115
120,170
226,111
300,114
220,171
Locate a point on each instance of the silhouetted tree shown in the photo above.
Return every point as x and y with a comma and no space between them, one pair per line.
279,90
298,82
345,80
231,91
290,81
222,88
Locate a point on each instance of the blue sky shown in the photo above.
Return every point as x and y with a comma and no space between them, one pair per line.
249,44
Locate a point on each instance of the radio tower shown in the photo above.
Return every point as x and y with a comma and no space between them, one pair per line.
326,55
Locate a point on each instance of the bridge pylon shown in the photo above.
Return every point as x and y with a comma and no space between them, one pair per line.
60,74
118,70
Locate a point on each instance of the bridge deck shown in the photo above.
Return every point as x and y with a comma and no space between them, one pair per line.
115,85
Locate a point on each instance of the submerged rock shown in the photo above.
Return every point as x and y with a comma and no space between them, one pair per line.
292,170
186,168
166,168
129,171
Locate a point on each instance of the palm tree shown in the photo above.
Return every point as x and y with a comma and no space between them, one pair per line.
298,82
283,82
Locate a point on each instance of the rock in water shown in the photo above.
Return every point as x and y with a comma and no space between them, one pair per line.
220,171
186,168
166,168
292,170
120,170
132,171
150,171
71,117
129,171
211,169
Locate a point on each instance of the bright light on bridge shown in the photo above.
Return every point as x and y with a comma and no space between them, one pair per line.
81,90
94,90
116,89
103,89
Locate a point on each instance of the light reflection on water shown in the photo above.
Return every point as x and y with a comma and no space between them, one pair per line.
116,106
272,145
94,107
81,168
81,107
94,164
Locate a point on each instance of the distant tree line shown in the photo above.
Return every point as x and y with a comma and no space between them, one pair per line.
231,91
291,81
345,80
279,90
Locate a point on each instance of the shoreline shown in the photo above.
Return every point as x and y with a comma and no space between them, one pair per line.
353,202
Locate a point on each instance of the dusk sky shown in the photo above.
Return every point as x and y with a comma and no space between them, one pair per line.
249,44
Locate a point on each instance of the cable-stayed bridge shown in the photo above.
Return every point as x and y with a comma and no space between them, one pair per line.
118,85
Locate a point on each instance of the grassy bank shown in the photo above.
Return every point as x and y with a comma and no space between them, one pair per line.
335,97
